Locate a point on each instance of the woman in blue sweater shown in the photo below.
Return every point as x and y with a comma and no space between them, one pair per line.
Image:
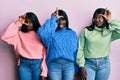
62,44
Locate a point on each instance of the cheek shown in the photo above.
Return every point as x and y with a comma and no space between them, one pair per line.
102,21
30,24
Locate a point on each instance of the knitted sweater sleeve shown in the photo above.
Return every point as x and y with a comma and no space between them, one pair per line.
43,64
10,35
46,31
116,32
80,53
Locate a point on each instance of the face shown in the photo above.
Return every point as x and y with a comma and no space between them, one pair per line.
61,23
98,20
29,24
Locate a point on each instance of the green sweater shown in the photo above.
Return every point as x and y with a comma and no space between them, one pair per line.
96,43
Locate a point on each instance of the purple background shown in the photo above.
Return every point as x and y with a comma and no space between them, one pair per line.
79,12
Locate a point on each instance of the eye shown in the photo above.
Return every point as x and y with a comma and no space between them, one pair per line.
29,21
98,17
101,17
62,18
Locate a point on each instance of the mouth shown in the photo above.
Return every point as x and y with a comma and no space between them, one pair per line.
98,22
61,26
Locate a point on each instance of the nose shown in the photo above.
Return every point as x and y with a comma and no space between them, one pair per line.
97,19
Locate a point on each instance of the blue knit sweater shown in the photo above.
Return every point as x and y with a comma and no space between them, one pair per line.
62,43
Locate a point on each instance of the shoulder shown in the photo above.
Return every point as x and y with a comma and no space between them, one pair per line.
84,30
72,31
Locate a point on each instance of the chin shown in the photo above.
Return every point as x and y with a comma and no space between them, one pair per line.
99,26
61,27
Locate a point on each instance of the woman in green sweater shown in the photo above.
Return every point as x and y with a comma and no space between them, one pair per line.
94,46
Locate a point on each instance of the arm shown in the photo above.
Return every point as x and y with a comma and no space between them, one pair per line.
116,32
47,30
10,34
80,54
43,64
75,43
75,51
114,24
80,58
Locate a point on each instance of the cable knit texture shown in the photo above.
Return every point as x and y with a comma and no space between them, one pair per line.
27,45
62,43
96,43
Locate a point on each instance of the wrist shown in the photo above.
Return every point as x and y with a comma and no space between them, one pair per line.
43,78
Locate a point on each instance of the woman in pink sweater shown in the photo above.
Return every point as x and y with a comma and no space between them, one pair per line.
29,49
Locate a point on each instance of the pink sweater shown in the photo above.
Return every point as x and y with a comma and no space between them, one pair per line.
27,45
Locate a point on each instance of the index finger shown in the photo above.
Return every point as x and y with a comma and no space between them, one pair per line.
57,10
22,16
105,11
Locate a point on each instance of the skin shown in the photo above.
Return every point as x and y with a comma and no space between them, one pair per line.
61,22
27,22
107,14
82,75
99,21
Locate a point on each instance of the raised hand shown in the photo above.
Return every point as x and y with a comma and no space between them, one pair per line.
21,19
107,14
56,13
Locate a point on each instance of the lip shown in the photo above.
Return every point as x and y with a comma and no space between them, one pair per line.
98,22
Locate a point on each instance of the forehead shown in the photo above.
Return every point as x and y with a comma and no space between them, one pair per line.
28,20
98,15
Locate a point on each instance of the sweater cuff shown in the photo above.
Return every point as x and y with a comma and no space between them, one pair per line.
54,18
18,23
81,65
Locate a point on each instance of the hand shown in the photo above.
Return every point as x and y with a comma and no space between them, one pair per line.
43,78
56,13
82,73
76,76
21,19
107,14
